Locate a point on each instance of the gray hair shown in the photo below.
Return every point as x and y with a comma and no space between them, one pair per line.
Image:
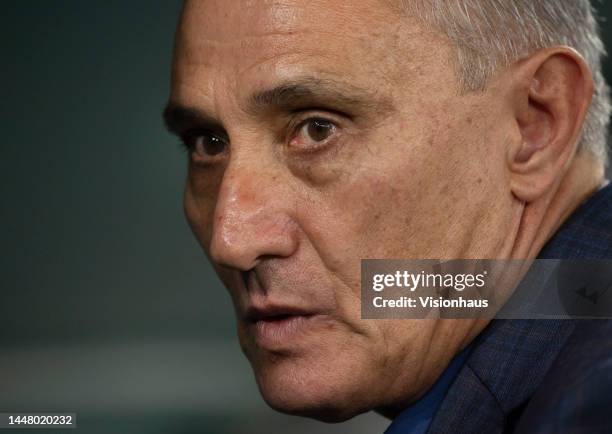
489,34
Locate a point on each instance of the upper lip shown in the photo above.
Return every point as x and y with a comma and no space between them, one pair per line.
259,313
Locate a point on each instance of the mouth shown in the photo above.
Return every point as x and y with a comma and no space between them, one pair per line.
272,327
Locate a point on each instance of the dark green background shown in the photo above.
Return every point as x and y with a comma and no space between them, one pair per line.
108,307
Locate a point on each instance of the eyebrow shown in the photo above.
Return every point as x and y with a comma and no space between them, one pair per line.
305,93
326,93
179,118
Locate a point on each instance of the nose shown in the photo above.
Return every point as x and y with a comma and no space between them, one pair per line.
252,219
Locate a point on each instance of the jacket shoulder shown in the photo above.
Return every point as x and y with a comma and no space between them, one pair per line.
587,233
574,396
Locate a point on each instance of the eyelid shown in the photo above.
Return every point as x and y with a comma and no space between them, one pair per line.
194,133
300,123
304,116
189,142
316,112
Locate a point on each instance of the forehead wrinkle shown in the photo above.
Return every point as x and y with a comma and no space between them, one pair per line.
276,34
388,63
208,53
222,24
201,42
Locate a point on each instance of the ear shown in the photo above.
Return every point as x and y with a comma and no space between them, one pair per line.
551,94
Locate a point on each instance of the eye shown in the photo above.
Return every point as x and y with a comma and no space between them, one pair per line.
205,145
313,133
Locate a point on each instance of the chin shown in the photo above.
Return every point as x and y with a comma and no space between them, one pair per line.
330,392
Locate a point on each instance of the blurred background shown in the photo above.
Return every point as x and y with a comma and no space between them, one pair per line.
108,308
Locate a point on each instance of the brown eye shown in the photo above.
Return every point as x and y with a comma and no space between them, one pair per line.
319,130
313,133
209,145
205,145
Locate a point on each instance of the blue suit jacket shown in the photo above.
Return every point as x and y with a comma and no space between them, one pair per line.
541,376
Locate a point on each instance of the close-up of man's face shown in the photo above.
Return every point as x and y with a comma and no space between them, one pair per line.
325,132
307,216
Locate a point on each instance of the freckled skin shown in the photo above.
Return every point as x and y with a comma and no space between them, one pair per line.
426,179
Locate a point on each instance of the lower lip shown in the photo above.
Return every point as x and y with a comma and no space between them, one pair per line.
274,332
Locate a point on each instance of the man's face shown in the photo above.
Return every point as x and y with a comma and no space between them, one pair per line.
323,132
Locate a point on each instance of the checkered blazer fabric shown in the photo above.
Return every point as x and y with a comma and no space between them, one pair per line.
541,376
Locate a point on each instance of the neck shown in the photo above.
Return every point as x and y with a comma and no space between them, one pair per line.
539,222
543,217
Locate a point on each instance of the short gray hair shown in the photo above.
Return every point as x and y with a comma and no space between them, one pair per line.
489,34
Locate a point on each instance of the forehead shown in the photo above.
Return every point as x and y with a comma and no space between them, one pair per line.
276,26
246,44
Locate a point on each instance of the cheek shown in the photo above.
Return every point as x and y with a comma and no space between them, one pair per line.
197,217
199,202
417,195
362,217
